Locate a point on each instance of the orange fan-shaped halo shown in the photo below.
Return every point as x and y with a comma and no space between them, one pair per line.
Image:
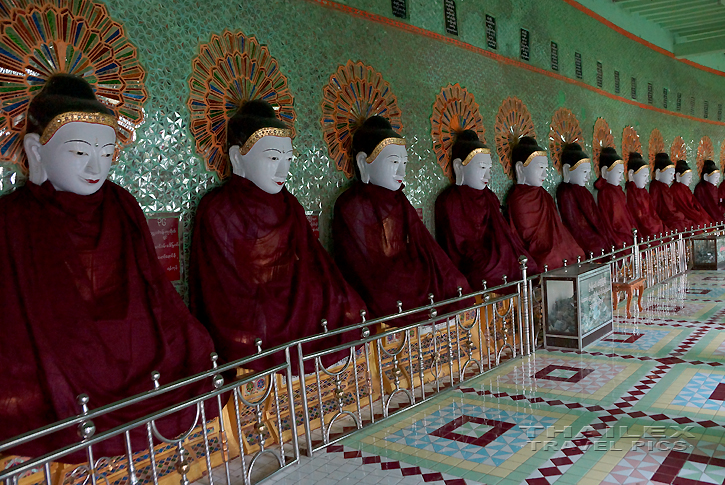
564,129
602,138
630,143
678,151
705,151
354,93
513,121
40,39
230,70
656,145
454,110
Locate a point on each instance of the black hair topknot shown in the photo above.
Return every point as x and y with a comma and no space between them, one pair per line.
62,93
464,143
708,167
571,153
608,156
374,130
682,166
252,116
662,161
525,147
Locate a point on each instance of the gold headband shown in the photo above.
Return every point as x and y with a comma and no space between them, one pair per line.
475,152
383,144
261,133
532,156
76,116
640,169
587,160
671,165
688,170
609,168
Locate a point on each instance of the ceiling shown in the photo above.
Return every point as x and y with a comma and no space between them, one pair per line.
697,27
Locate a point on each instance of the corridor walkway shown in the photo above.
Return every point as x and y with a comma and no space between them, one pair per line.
644,405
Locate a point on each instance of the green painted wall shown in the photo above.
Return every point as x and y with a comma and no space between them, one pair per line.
310,40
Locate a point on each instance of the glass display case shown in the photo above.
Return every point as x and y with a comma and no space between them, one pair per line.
708,252
577,305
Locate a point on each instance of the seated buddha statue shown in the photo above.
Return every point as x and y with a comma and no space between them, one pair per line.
706,191
257,270
662,199
382,247
684,199
577,207
469,225
532,211
611,198
649,224
87,307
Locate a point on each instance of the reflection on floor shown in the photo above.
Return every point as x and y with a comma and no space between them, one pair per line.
643,405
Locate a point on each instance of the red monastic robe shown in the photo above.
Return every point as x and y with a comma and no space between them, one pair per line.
663,203
387,254
532,214
648,222
472,231
87,308
689,206
581,216
616,216
706,195
721,195
258,271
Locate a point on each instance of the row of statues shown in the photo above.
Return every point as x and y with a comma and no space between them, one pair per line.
91,311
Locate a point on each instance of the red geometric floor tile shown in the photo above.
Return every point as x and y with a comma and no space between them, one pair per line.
707,424
413,470
561,461
432,477
367,460
537,481
550,471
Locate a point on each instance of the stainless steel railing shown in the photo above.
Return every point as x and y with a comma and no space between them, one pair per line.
386,370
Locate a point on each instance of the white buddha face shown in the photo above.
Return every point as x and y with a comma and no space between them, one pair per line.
615,175
76,159
712,178
388,168
534,173
685,178
665,176
476,173
266,164
639,178
580,175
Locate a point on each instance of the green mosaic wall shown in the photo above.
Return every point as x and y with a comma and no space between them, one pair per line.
310,40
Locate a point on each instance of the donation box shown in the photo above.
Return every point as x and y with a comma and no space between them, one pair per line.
577,305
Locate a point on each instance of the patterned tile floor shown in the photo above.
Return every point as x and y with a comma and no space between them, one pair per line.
643,405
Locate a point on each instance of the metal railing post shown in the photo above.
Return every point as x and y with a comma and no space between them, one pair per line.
525,297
